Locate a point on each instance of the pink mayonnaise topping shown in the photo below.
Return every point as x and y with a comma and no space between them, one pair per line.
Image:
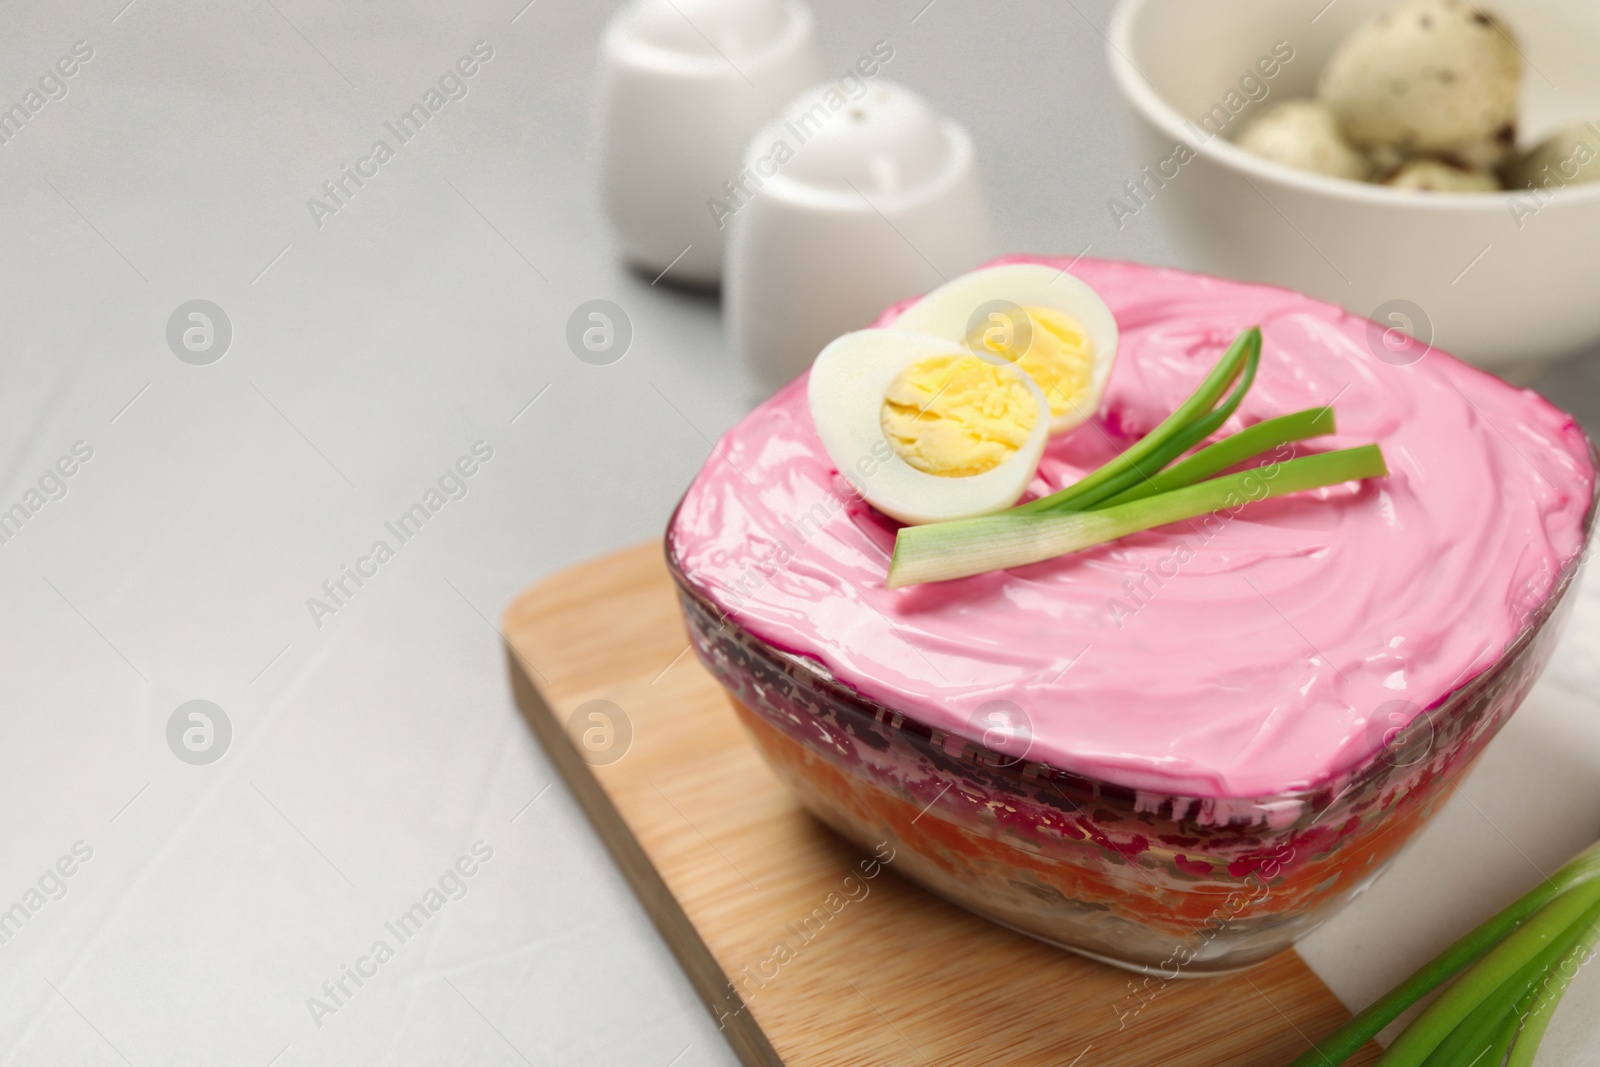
1254,655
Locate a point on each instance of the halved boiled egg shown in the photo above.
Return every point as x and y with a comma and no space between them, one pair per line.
1044,320
924,429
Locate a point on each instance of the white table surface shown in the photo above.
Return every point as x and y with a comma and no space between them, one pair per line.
371,752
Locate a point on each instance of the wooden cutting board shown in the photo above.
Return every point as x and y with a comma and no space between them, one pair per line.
727,863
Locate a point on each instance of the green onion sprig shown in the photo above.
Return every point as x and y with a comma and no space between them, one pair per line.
945,550
1232,451
1509,974
1165,443
1145,486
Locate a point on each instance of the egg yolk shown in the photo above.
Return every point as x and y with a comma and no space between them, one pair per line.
1059,356
956,416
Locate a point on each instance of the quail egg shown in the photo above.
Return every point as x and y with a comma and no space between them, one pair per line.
1426,77
922,428
1043,320
1304,134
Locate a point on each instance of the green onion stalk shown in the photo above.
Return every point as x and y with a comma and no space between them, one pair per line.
1146,486
1508,975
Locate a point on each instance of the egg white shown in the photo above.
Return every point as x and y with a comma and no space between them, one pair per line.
945,313
846,391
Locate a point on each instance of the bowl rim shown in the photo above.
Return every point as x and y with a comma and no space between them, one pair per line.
1137,90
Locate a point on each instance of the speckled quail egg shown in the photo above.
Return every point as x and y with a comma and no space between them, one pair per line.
1490,154
1571,156
1436,77
1439,176
1304,134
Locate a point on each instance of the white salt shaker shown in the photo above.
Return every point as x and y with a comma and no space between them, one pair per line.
683,84
857,201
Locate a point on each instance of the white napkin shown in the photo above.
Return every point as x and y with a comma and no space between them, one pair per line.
1530,804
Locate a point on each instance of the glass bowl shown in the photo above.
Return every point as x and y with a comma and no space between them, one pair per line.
1171,885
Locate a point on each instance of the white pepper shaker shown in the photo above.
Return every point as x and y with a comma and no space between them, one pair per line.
852,208
682,86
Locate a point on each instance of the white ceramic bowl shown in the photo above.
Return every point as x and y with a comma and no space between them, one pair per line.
1502,280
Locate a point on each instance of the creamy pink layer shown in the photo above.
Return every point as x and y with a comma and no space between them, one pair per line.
1249,656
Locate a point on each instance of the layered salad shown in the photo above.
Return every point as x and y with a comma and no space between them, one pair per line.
1241,701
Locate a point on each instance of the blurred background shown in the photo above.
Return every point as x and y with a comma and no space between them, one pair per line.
356,357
